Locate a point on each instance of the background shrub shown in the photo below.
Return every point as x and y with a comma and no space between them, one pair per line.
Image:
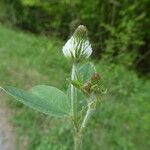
119,29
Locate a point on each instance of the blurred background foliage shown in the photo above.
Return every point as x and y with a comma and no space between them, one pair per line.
119,29
32,33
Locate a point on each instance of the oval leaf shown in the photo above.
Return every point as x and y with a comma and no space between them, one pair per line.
52,103
57,99
86,71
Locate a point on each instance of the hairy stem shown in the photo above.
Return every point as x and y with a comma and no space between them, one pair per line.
74,96
86,118
78,135
78,141
78,132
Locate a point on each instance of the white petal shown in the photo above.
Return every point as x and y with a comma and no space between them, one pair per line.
73,46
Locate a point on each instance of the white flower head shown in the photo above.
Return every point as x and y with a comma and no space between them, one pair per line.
78,46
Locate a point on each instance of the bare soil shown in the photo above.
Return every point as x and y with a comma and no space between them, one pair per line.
7,136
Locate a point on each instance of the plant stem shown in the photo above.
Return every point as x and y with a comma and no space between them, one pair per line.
78,131
86,118
74,97
78,135
78,141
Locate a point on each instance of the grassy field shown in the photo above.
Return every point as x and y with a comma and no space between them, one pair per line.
121,122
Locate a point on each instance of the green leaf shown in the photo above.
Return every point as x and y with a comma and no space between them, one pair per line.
46,99
57,99
86,71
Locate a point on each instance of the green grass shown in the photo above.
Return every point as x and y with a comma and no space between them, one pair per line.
121,122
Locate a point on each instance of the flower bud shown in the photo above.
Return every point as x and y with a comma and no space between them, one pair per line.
86,87
78,46
95,77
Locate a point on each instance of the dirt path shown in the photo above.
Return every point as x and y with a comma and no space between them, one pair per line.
7,136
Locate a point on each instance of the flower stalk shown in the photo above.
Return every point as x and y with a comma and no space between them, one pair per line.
77,49
86,118
74,96
78,141
79,134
